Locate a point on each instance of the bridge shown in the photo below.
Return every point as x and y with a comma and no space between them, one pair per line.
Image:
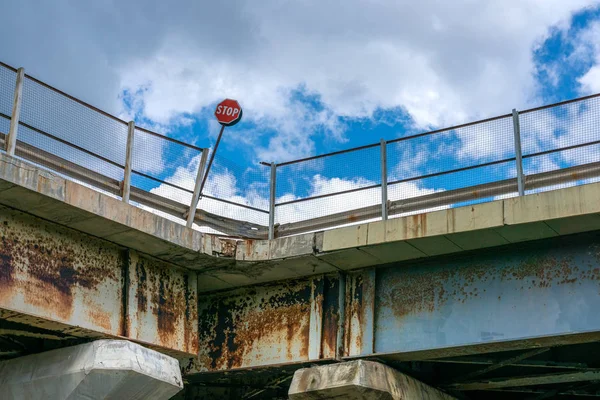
492,299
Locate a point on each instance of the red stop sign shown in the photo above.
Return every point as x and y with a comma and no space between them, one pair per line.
228,112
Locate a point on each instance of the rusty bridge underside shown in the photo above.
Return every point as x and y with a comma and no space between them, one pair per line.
511,320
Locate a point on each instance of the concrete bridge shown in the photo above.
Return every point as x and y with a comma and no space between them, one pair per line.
494,300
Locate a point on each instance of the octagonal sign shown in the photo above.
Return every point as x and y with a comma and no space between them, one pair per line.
228,112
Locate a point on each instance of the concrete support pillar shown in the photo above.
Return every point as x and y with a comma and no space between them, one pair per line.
104,369
358,380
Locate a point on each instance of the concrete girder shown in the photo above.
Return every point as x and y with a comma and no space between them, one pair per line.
359,380
59,279
224,263
537,294
104,369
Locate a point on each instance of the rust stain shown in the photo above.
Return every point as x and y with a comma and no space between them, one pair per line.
352,218
354,313
419,224
425,290
331,318
228,248
100,318
255,326
165,294
48,264
7,269
142,287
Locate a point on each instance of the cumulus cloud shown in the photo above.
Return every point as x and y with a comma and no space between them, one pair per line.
224,185
588,48
300,69
426,58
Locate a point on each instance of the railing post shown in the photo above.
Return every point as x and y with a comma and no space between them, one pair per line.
384,195
11,140
518,153
197,187
272,201
128,159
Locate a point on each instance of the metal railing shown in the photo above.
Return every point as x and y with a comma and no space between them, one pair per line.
55,130
508,155
512,169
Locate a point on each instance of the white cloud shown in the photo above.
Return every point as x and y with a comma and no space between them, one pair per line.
587,48
224,185
424,57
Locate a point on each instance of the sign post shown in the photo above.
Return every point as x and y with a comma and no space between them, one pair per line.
228,113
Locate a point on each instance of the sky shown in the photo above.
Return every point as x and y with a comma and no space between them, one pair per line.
312,77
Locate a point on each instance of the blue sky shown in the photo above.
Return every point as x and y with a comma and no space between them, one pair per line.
312,79
556,79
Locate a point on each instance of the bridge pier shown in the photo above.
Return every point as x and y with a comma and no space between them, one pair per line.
115,369
359,380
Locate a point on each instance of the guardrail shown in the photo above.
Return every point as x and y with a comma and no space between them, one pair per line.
57,131
518,153
570,123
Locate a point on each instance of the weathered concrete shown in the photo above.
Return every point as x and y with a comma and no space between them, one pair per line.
104,369
535,294
57,278
225,263
359,380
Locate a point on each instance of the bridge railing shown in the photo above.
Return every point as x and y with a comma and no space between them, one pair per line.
54,130
509,155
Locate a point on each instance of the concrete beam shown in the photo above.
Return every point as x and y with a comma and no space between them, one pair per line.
359,380
461,305
225,263
56,278
114,369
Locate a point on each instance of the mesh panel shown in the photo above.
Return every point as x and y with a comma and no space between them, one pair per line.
468,148
64,118
230,181
563,126
343,172
330,174
8,79
4,126
233,211
442,185
155,155
344,203
69,153
164,167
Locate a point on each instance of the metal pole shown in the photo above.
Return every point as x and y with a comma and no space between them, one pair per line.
272,201
518,153
128,159
212,157
11,140
384,194
197,188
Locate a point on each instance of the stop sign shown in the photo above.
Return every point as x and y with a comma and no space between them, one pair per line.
228,112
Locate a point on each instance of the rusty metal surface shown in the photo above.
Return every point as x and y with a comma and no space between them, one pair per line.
541,293
360,312
51,272
538,290
281,323
163,304
60,279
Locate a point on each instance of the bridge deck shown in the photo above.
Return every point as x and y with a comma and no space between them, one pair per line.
224,263
423,288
